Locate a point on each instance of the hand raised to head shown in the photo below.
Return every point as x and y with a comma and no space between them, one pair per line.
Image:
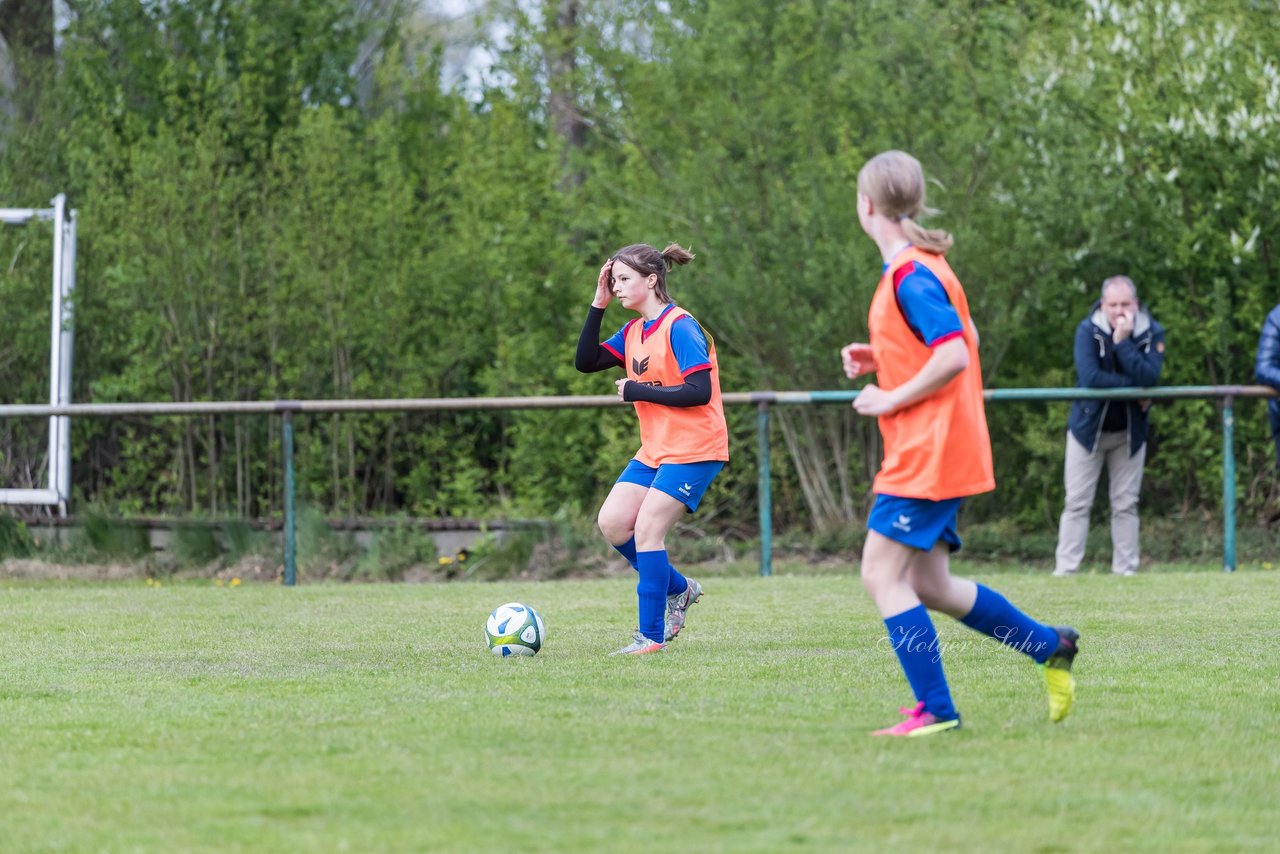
604,285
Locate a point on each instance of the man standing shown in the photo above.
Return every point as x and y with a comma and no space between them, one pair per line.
1118,346
1267,370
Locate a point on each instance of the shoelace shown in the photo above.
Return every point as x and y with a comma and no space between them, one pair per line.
640,639
917,712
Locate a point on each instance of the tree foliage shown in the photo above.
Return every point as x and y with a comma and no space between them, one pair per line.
280,200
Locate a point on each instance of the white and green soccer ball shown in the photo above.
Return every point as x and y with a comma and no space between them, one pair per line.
514,629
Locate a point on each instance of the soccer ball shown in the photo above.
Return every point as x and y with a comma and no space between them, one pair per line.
514,629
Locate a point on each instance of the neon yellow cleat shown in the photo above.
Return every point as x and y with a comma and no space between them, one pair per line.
1057,673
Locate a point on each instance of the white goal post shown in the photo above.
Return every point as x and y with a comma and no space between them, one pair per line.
61,335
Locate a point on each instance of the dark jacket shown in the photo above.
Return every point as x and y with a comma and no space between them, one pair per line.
1267,367
1101,363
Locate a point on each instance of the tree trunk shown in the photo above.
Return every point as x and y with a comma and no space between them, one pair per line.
26,26
819,444
566,117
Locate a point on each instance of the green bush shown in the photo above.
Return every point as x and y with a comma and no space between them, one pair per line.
15,539
242,540
394,551
193,544
321,551
114,539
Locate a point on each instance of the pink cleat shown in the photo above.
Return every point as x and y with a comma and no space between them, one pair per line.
919,722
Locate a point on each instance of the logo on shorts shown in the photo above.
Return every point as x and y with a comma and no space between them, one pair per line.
902,523
639,366
685,490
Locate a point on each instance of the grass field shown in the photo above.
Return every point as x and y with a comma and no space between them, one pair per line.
371,718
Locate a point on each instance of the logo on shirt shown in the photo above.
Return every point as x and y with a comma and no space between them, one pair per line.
639,366
684,490
902,523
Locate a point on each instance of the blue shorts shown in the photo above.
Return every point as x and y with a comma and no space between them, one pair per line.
685,482
915,522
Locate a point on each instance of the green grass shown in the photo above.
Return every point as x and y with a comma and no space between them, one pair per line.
371,718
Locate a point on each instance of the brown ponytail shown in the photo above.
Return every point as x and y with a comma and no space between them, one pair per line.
646,260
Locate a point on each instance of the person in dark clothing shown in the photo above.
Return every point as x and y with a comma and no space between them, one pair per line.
1267,370
1118,346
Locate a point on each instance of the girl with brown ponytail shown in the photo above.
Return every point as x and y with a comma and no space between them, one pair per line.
673,379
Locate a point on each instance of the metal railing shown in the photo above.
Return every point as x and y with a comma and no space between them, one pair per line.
762,400
1226,393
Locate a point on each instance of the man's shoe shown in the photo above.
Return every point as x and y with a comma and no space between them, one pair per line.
640,645
677,605
1057,673
918,723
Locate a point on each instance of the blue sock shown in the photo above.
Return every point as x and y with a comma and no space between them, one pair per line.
628,550
652,593
676,584
915,640
997,617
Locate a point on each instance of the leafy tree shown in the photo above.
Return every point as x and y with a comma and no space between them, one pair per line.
281,200
1148,139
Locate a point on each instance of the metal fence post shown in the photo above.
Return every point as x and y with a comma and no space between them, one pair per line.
764,493
290,517
1228,486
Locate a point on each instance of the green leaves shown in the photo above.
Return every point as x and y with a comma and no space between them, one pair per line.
279,200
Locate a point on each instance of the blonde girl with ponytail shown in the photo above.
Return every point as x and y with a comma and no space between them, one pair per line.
927,398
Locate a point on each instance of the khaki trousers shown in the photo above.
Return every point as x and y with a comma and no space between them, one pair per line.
1081,471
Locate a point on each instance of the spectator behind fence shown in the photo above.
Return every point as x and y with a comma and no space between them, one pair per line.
1118,345
1267,370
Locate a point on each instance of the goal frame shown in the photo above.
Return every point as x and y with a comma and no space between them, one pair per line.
57,493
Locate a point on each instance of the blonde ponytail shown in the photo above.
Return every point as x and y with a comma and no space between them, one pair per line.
894,181
935,240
